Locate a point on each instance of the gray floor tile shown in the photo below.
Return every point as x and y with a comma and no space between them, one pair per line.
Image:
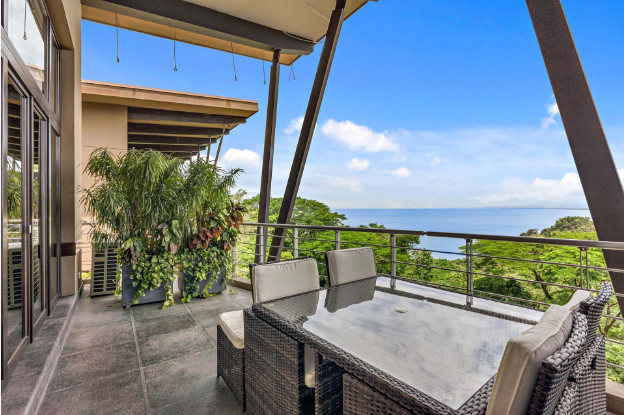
164,324
106,335
163,347
100,302
51,329
116,394
210,302
85,367
17,393
220,402
90,318
35,357
186,379
155,310
208,317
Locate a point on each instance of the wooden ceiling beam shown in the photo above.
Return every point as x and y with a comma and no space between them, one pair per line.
175,130
165,117
166,139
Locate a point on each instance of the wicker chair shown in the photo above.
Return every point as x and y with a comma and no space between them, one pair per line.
593,308
269,281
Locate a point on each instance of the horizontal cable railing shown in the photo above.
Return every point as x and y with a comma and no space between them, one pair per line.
257,247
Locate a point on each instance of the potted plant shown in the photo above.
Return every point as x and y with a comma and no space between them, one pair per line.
138,203
213,230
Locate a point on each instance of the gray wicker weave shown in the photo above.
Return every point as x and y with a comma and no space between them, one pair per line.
568,402
327,386
590,374
274,370
555,369
594,308
231,366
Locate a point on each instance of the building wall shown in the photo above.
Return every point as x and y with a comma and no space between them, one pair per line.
103,126
66,16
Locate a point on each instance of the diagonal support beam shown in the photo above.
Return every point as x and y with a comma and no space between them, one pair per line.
307,130
267,158
590,149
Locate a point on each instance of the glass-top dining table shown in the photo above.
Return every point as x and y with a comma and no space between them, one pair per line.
417,346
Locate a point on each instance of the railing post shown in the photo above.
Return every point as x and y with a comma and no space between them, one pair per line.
296,243
337,239
262,253
469,275
580,266
393,260
233,262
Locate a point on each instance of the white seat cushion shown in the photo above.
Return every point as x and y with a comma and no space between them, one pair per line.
308,364
523,358
348,265
281,279
576,299
234,328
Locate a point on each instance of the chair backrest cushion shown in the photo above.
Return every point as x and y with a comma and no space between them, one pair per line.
578,297
522,360
347,265
281,279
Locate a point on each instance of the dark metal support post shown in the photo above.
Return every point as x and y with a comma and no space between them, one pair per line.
267,157
307,130
594,163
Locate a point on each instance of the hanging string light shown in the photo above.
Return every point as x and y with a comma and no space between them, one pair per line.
175,64
25,13
233,63
292,72
263,72
117,35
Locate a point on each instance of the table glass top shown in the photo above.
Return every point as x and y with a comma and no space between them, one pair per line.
444,351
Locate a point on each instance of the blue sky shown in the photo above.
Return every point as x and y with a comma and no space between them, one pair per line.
430,103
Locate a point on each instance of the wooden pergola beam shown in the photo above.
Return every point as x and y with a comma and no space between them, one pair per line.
174,130
267,157
166,117
307,130
166,139
174,148
588,142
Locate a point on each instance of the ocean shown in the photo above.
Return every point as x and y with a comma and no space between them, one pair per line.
491,221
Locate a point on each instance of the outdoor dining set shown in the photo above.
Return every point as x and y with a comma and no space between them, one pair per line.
373,344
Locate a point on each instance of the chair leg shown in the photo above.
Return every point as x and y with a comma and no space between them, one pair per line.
231,367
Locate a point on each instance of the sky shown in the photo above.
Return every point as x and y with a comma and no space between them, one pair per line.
429,103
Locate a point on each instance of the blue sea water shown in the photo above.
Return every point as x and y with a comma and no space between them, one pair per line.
491,221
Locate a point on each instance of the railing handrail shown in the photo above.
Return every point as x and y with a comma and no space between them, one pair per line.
501,238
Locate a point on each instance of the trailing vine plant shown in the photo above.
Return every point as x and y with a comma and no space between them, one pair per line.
214,231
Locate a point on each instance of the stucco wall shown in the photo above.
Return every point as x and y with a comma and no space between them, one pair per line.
103,126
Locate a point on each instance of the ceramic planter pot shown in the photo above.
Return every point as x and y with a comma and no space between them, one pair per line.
128,291
218,285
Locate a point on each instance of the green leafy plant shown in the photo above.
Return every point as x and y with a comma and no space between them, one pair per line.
215,227
139,203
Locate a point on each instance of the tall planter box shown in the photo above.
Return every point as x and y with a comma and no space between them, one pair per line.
218,285
128,291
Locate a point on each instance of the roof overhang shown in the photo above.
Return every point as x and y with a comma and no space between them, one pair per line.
177,123
253,28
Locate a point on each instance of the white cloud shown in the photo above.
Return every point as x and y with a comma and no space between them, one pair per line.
539,193
353,185
553,111
401,172
241,158
358,164
359,137
294,126
435,161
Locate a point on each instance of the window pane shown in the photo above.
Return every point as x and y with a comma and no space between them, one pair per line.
14,287
27,32
38,232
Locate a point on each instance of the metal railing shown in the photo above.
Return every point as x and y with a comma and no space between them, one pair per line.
246,250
